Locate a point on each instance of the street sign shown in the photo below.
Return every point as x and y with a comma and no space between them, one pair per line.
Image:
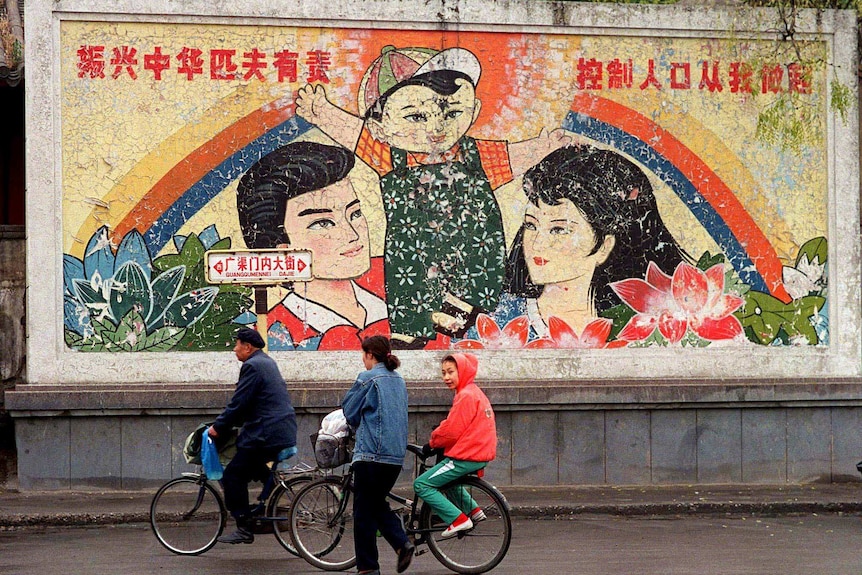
258,266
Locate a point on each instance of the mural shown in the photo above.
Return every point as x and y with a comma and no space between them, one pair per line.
469,190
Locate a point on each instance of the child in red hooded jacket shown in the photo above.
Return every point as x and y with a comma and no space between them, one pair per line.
468,438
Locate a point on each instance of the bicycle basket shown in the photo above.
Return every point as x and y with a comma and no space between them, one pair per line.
331,450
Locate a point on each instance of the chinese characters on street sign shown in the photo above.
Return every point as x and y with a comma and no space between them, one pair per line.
258,266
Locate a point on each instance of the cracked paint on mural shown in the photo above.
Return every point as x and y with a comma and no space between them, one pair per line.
470,190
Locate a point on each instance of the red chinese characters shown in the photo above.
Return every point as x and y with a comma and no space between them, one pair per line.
739,77
91,62
157,62
192,63
123,59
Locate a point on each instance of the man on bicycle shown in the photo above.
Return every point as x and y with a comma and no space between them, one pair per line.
261,405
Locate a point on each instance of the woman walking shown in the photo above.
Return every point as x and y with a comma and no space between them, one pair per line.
376,407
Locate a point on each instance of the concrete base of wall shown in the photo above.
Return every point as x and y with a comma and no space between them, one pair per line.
547,436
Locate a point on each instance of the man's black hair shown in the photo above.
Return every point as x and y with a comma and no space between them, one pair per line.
288,172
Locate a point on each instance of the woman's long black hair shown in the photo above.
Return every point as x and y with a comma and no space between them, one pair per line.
616,198
381,349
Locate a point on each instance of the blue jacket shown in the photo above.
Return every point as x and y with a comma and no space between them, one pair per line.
261,405
376,406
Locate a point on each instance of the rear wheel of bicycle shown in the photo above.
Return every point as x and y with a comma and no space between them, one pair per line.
278,508
481,548
187,515
321,527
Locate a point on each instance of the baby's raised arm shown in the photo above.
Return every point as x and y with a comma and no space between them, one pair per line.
340,125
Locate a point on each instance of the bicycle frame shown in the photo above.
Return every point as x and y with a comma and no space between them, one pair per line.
410,521
322,513
200,498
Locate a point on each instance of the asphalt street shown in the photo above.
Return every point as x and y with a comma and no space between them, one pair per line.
805,544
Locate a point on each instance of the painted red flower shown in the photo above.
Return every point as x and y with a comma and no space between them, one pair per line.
690,299
512,336
594,336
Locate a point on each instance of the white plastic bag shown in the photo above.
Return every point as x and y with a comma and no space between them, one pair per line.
335,424
332,442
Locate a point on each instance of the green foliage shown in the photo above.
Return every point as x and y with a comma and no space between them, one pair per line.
763,317
789,123
840,99
707,260
136,309
654,339
620,316
802,4
129,335
816,250
626,1
214,329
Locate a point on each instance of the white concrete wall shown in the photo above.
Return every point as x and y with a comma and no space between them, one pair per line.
51,362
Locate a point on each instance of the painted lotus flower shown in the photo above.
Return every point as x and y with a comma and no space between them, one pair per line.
805,279
594,336
513,335
118,298
691,299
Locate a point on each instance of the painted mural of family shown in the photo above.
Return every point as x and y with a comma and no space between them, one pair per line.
591,218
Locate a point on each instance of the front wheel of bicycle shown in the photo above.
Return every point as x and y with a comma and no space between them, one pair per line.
278,508
321,525
481,548
187,515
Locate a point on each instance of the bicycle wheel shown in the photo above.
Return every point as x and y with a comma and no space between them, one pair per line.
321,527
187,515
278,508
481,548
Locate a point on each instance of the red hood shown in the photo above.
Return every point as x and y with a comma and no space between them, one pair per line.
467,365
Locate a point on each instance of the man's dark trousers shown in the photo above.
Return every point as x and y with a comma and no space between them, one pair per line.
249,464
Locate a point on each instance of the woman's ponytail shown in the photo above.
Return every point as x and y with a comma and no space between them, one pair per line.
381,349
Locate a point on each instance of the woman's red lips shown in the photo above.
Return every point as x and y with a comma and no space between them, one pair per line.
354,251
540,261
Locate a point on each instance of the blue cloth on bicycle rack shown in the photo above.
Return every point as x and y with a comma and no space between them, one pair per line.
209,458
286,453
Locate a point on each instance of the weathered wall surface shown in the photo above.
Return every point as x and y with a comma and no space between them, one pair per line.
551,184
12,338
12,295
574,192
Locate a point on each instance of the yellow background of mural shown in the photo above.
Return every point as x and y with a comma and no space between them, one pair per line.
163,155
121,135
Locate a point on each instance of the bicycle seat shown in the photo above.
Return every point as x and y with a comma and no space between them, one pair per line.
284,454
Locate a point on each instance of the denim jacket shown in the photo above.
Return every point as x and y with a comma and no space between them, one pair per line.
376,407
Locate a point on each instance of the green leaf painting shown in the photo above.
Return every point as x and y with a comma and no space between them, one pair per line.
763,316
132,303
816,250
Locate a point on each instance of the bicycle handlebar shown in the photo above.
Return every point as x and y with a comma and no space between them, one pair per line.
417,451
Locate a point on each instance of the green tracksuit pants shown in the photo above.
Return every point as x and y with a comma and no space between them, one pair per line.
448,503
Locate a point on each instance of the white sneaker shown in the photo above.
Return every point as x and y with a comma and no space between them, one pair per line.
477,515
454,529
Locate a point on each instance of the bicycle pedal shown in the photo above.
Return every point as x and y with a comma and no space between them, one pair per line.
422,551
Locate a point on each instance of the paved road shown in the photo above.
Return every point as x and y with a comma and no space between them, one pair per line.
588,545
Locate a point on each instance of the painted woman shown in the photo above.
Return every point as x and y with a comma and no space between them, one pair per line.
591,220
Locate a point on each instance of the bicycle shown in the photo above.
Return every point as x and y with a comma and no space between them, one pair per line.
188,513
321,523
